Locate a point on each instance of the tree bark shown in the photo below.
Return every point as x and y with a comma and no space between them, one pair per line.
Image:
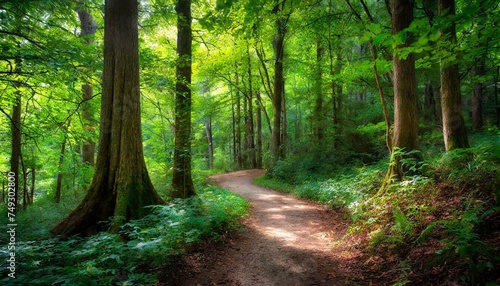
208,131
249,122
32,191
233,124
121,187
318,117
88,28
405,137
182,181
88,146
25,183
239,156
259,130
279,83
57,197
16,138
454,130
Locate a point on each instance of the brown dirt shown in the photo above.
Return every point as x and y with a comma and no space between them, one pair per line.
285,241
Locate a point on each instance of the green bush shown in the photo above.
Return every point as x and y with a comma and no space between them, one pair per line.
117,259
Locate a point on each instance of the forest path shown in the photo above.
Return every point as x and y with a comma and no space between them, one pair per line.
285,241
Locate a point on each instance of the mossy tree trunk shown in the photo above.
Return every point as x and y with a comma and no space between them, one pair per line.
121,187
182,182
454,130
405,137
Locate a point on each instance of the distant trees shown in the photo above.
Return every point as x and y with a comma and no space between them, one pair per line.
121,186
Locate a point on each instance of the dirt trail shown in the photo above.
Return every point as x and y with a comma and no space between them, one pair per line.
286,241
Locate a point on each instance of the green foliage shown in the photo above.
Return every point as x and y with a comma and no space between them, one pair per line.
119,259
463,241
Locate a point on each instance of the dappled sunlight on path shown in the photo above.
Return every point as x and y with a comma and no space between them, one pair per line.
285,242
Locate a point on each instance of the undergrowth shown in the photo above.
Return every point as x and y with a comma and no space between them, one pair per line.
127,258
445,217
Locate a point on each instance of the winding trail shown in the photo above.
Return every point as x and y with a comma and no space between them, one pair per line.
286,241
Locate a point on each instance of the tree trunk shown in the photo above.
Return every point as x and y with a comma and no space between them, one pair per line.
432,102
60,173
88,28
477,95
33,177
16,140
259,131
284,124
318,117
182,182
233,124
88,146
208,131
279,83
238,123
25,183
121,187
405,136
454,130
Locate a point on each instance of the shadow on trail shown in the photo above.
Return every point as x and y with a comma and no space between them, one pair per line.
286,241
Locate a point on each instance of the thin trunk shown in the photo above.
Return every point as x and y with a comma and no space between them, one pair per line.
284,128
60,173
88,28
388,135
3,188
88,146
233,124
208,131
454,130
182,182
238,124
25,185
266,81
32,191
268,120
477,95
335,65
250,122
259,130
16,143
318,117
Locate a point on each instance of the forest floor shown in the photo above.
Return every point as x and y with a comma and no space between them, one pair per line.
284,241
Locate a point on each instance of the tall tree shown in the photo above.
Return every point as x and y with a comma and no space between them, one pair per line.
454,130
121,187
88,28
405,138
182,182
15,155
279,80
